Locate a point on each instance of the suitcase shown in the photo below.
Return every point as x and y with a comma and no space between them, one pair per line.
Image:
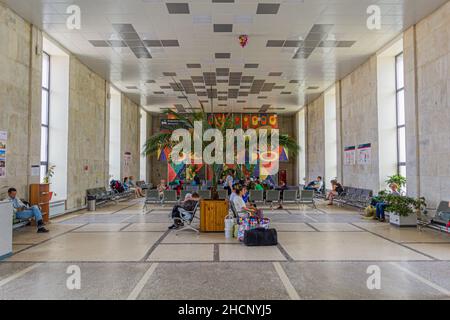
260,237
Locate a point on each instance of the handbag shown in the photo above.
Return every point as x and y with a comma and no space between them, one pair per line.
261,237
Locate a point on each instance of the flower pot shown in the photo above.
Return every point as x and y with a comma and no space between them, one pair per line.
403,221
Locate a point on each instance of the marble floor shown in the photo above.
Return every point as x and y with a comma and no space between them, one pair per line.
121,252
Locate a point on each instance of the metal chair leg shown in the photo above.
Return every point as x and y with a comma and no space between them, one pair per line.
186,228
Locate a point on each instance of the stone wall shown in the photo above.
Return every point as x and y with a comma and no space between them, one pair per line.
130,137
359,123
87,120
20,92
315,139
427,95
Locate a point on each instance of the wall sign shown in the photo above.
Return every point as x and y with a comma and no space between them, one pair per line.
3,145
349,156
364,154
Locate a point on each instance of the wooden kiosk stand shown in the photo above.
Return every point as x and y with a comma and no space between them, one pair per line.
212,215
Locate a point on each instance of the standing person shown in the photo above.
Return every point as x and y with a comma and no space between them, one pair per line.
24,211
336,189
229,180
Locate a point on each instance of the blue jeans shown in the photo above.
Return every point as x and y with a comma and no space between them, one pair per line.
380,206
32,212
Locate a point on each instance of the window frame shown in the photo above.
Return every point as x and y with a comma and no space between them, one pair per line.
399,127
44,126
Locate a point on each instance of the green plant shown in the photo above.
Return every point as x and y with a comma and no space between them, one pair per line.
403,206
398,179
50,174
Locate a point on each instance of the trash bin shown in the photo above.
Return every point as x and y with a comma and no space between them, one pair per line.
91,203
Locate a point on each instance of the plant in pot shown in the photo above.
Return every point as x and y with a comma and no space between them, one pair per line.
403,210
47,178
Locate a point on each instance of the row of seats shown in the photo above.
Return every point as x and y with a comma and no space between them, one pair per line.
269,196
355,197
102,196
293,196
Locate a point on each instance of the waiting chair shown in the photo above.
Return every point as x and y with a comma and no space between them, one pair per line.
290,196
192,188
204,194
256,196
183,194
307,197
272,196
223,194
170,196
151,196
187,217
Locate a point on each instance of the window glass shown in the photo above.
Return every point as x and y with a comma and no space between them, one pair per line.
400,75
401,108
401,145
44,144
44,112
45,71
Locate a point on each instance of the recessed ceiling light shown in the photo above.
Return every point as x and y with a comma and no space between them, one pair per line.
178,8
268,8
223,28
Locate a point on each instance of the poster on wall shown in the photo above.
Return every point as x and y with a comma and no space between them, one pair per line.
349,156
364,154
3,144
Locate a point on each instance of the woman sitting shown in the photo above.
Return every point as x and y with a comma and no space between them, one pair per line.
133,186
244,209
336,189
189,203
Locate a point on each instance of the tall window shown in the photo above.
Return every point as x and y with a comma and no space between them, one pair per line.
45,113
400,101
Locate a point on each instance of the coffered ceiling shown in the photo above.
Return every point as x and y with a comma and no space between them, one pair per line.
180,53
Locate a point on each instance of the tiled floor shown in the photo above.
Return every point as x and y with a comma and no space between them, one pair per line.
125,253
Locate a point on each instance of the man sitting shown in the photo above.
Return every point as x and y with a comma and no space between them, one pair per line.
25,212
189,203
315,185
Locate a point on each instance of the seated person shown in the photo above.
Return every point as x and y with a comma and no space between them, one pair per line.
24,211
162,186
315,185
258,186
234,193
336,189
189,203
133,186
244,209
381,206
283,186
126,184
